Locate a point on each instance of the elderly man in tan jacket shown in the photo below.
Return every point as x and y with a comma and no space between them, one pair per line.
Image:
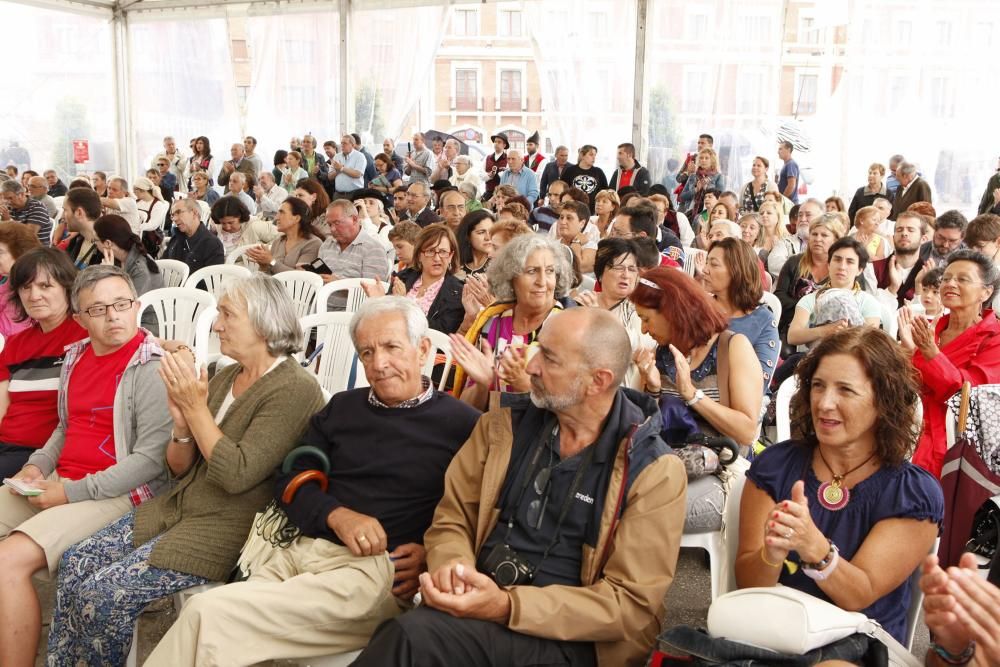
558,532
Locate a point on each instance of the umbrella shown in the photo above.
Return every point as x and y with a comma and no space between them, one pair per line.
793,132
431,135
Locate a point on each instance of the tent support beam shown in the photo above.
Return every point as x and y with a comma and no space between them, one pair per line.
124,159
346,90
639,116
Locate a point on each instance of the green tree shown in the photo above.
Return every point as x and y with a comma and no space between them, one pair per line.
368,111
70,122
663,131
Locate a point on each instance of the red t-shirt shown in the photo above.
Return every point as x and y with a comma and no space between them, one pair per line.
626,178
90,434
31,362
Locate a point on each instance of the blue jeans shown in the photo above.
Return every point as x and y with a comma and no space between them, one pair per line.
104,584
681,643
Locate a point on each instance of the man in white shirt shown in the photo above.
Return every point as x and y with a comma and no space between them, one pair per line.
237,188
120,201
446,162
349,167
269,195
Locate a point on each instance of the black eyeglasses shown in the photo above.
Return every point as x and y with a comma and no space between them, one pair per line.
100,310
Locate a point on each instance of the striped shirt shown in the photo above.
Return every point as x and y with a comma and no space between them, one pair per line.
365,257
34,213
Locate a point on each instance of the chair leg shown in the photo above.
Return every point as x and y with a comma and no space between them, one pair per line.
715,569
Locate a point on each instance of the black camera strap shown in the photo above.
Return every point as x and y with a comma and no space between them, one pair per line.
567,502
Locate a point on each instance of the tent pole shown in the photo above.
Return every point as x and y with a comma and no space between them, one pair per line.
124,159
345,88
639,115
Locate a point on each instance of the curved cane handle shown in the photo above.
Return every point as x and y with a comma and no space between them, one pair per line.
303,477
305,450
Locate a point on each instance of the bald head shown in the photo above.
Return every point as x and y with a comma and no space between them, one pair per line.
594,339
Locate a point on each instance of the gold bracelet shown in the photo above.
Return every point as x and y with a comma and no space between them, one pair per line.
763,557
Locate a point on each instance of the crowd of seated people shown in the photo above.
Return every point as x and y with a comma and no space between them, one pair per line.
595,329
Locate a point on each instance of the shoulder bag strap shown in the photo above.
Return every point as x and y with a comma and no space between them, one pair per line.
722,366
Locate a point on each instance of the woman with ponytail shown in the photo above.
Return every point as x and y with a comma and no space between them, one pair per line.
123,248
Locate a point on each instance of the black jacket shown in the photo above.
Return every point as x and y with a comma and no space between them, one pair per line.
426,217
549,176
446,312
197,251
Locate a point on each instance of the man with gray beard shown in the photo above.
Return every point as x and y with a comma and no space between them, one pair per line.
563,498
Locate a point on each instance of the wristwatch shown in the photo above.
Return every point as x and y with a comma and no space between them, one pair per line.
698,395
272,262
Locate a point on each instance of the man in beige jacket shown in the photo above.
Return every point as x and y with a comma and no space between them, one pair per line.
558,532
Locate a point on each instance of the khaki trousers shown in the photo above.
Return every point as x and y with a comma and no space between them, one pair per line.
313,598
58,528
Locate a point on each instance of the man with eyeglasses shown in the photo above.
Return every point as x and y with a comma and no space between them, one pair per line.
349,251
105,457
192,243
168,182
38,190
565,499
418,199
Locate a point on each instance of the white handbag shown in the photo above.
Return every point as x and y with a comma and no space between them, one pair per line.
789,621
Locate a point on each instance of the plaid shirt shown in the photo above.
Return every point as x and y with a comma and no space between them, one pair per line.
423,397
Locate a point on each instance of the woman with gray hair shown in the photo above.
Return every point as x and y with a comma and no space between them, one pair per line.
229,436
530,279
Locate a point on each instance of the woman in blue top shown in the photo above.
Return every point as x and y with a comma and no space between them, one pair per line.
841,514
732,276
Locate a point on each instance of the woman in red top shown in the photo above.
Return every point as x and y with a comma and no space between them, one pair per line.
963,346
31,360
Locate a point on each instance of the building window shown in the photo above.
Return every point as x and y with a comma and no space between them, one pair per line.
597,22
516,139
808,86
241,95
509,23
808,32
466,89
697,27
465,22
749,92
904,32
300,52
942,99
943,30
695,89
510,90
240,51
754,29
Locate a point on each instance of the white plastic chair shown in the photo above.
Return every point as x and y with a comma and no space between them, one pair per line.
722,545
916,601
888,302
215,277
206,211
302,287
237,256
771,301
336,365
355,294
206,342
440,344
782,409
177,310
174,272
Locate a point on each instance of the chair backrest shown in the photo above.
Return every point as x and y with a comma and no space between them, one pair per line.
770,300
302,287
215,277
174,272
204,339
352,286
782,408
731,525
177,310
206,211
440,345
237,256
335,364
689,257
916,600
888,302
